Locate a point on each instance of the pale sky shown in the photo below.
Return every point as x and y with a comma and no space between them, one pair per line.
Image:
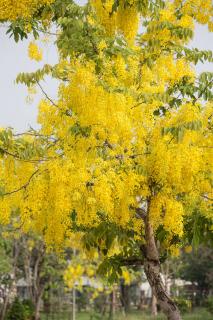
14,110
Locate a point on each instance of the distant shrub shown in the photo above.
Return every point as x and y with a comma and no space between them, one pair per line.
29,309
21,310
209,304
183,304
16,311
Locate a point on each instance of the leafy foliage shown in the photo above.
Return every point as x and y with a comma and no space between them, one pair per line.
16,311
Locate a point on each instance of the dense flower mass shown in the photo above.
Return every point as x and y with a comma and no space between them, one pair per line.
127,131
125,19
201,10
34,52
13,9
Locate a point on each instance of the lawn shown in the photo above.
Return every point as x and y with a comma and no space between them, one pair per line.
199,314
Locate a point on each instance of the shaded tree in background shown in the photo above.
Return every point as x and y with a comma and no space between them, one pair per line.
197,267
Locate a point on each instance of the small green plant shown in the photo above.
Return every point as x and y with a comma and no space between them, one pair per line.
209,304
184,304
29,309
16,311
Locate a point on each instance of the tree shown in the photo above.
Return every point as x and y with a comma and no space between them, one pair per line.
25,256
40,269
197,267
9,252
124,154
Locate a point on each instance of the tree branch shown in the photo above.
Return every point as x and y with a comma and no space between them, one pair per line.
206,197
23,186
26,160
140,212
132,262
46,95
66,112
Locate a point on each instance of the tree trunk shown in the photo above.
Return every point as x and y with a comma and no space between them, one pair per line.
152,271
112,304
4,308
38,307
125,301
154,310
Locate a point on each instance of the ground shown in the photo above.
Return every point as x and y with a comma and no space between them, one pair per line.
198,314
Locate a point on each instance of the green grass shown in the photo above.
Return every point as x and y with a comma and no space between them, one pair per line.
199,314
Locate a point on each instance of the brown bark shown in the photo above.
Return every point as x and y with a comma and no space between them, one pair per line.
38,305
4,308
154,310
124,296
112,304
165,268
27,266
34,261
152,271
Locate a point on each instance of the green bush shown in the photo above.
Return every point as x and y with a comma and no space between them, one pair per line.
21,310
16,311
209,304
183,304
29,309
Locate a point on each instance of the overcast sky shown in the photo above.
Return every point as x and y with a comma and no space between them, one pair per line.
14,110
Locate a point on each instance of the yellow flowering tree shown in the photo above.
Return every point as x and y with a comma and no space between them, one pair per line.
123,157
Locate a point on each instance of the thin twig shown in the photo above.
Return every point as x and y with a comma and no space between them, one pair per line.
26,160
22,187
47,32
46,95
132,262
208,147
66,112
206,197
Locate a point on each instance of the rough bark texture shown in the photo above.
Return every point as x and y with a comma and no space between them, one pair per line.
152,271
34,264
38,306
154,310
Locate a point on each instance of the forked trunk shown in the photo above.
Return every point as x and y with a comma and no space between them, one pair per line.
152,271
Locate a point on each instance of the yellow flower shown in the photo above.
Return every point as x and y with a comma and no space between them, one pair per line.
188,249
12,10
34,52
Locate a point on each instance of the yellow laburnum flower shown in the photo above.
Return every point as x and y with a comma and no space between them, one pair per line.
126,276
102,45
13,9
188,249
174,250
125,19
128,21
210,26
34,52
73,275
